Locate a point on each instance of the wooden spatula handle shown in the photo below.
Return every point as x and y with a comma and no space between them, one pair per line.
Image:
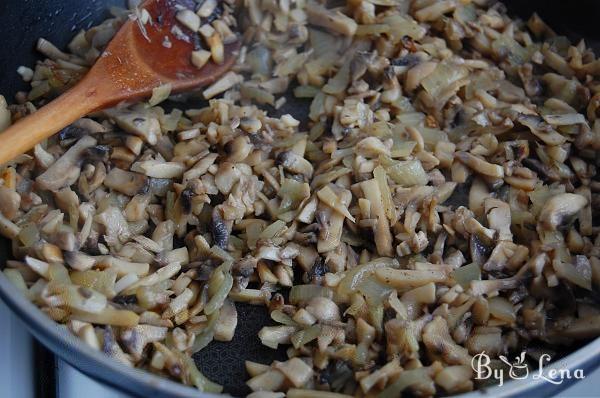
48,120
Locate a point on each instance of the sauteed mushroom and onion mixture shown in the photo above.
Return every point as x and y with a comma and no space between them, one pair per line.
436,200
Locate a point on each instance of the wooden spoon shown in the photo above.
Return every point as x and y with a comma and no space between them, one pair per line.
133,64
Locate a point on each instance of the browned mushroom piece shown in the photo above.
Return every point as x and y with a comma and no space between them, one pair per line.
10,202
439,342
137,338
111,348
65,171
560,209
125,182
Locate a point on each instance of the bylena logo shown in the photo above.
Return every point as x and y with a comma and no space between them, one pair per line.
518,369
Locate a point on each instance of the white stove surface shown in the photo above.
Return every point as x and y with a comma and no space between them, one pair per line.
16,370
17,375
71,383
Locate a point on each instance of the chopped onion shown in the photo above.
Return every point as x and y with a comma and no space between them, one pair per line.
354,277
207,334
17,280
304,293
502,309
217,300
305,336
443,76
467,273
386,196
273,230
160,94
401,26
196,377
402,149
280,317
340,81
306,91
406,173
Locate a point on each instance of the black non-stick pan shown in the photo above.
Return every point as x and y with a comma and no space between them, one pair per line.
22,22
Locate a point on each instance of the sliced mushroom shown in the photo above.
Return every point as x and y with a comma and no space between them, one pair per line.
79,261
219,229
560,209
227,176
295,163
297,371
90,125
542,130
383,236
8,229
64,238
506,254
402,279
5,116
479,288
116,227
479,165
228,80
10,202
485,339
111,348
159,169
123,267
65,171
272,336
323,309
330,19
455,379
136,209
438,341
125,181
227,322
142,124
498,215
135,339
86,332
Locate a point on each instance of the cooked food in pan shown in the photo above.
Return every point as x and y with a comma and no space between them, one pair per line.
430,195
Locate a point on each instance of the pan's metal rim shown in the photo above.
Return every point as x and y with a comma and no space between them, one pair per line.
87,360
140,383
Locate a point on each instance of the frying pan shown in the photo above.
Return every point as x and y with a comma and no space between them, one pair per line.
22,22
